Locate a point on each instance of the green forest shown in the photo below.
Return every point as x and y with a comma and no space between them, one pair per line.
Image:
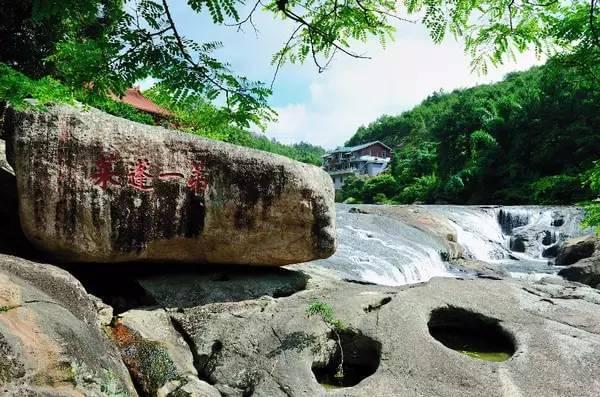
532,138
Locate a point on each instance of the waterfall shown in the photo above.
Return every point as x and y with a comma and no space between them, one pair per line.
405,244
384,250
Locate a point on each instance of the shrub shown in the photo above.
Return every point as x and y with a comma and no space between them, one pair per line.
381,184
353,188
422,189
555,189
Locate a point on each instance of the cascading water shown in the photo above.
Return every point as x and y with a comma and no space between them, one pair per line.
389,250
518,240
384,250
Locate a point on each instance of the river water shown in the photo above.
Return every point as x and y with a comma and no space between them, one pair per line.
392,249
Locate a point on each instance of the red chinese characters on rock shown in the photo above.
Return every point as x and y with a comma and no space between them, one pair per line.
197,181
104,172
139,177
170,175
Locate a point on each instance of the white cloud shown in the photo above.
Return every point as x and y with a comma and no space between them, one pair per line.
355,92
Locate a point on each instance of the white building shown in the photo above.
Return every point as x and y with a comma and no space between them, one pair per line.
368,159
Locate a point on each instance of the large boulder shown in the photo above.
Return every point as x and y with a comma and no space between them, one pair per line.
576,249
51,337
97,188
586,271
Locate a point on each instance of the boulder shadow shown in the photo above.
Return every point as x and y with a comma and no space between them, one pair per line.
12,239
127,286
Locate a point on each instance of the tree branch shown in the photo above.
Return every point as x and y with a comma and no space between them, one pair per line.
247,19
311,28
195,66
282,54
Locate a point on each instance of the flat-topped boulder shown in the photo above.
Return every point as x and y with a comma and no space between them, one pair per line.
97,188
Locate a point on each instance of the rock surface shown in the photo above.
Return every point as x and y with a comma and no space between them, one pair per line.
586,271
97,188
51,343
577,248
269,346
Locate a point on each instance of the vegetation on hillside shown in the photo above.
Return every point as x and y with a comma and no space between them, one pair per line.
531,138
592,209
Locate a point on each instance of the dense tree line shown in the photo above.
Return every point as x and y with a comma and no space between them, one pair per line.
531,138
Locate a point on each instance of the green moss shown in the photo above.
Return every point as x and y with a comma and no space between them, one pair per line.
148,361
487,356
331,387
4,309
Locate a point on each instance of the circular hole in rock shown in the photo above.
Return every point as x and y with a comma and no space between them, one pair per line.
470,333
354,358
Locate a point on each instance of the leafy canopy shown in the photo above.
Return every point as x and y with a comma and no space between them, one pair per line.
109,44
592,210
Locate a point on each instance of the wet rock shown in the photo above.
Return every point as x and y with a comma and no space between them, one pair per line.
577,248
51,341
551,251
97,188
517,243
585,271
509,220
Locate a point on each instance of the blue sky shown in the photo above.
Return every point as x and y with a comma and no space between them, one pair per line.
327,108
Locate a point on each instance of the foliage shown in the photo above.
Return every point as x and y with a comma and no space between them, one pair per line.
325,312
379,188
422,189
352,189
195,114
530,138
110,44
592,216
555,189
592,209
15,88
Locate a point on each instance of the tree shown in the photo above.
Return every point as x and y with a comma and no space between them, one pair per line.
383,185
592,210
531,138
108,46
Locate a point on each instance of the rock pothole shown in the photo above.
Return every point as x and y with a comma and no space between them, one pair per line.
473,334
355,358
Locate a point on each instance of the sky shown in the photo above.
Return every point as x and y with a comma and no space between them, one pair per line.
327,108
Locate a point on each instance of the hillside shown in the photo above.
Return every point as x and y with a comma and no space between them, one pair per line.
531,138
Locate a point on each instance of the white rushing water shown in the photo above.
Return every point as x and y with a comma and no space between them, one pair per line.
383,249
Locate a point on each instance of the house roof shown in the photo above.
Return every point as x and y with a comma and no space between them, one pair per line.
346,149
134,97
